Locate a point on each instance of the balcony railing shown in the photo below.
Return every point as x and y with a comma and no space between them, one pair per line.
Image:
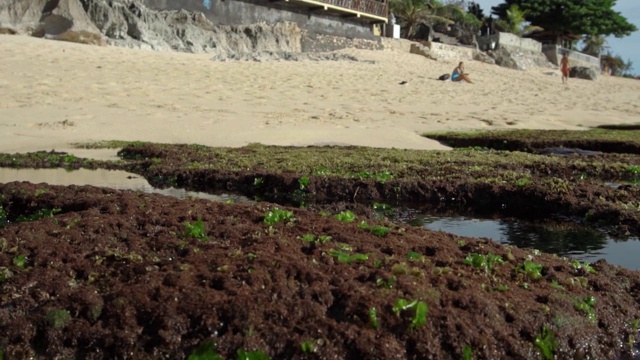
373,7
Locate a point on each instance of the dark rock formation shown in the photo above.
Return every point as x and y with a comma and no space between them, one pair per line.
451,34
582,72
503,58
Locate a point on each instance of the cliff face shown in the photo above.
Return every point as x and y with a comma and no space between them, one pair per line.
129,23
44,17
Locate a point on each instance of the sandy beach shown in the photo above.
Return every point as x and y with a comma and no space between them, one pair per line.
54,94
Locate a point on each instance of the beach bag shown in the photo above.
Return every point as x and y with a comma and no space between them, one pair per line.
444,77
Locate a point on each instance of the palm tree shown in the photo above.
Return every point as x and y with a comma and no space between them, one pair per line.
515,22
412,12
594,45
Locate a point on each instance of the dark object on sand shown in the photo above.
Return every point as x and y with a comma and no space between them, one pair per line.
403,82
444,77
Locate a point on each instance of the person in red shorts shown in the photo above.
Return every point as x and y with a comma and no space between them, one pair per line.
565,68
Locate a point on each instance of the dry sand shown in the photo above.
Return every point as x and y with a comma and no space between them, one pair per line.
53,94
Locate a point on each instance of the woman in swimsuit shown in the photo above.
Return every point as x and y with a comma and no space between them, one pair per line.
459,74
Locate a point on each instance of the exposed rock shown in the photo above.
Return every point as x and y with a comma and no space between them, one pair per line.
7,31
81,37
517,58
481,56
288,56
582,72
503,58
314,42
129,23
45,17
423,50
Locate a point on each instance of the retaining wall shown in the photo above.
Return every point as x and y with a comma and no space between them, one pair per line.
434,51
451,52
507,40
245,12
554,54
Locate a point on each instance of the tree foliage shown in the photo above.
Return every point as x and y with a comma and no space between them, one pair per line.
475,10
578,17
515,22
594,45
412,12
615,64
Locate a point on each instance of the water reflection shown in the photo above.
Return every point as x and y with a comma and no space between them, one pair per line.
563,239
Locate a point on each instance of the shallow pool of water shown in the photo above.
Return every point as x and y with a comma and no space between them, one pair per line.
577,242
565,240
120,180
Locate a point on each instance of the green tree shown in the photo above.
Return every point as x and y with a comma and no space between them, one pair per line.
577,17
594,45
615,63
412,12
514,22
475,9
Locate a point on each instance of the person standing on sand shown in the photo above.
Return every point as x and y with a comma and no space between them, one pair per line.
565,68
459,74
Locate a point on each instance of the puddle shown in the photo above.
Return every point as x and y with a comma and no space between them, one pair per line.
564,240
120,180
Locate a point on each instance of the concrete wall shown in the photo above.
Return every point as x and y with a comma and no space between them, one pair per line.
554,54
508,40
434,51
245,12
451,52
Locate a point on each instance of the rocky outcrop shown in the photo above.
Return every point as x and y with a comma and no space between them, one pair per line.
582,72
422,49
503,58
129,23
484,57
47,18
450,34
314,42
519,59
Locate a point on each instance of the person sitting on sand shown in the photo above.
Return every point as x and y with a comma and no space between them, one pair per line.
459,74
565,68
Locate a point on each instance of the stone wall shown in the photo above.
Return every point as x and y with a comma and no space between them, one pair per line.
507,40
554,54
431,50
451,52
244,12
314,42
